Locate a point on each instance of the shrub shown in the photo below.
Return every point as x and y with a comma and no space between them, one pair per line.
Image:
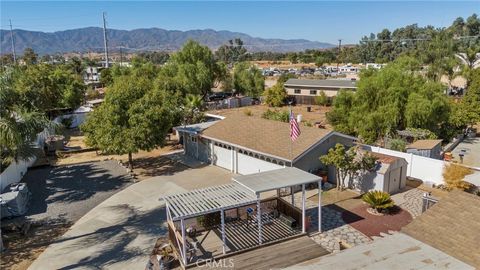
308,124
282,116
453,176
378,200
397,145
247,112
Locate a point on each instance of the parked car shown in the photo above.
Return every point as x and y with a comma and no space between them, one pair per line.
219,96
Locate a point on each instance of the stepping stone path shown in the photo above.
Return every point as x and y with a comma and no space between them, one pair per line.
410,200
334,229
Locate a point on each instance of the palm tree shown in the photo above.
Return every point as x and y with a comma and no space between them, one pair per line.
193,108
470,60
18,127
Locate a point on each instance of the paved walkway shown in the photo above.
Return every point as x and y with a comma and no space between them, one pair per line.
121,232
410,200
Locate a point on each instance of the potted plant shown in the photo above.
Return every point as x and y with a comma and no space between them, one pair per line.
379,201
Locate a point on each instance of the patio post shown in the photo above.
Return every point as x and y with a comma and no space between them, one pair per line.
319,206
293,195
184,242
303,208
223,231
259,216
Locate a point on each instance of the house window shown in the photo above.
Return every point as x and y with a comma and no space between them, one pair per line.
313,92
193,139
297,91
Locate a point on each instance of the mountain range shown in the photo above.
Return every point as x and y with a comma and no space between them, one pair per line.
90,39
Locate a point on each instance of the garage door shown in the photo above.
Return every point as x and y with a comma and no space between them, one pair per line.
222,156
248,165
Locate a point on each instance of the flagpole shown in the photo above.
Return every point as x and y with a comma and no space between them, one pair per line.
291,141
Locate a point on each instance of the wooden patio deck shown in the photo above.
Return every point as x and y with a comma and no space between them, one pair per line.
239,236
278,255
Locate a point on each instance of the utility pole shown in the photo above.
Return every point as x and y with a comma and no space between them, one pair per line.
339,50
105,41
13,43
121,56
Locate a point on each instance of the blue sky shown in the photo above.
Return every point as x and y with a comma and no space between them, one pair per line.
318,20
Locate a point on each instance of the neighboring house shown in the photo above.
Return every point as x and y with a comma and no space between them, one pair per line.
91,75
426,148
452,225
397,251
446,236
390,175
305,91
247,144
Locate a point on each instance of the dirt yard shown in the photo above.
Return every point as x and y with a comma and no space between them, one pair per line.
316,115
146,164
22,250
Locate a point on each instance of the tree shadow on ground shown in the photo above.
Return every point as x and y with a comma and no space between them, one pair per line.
155,166
22,248
115,241
72,183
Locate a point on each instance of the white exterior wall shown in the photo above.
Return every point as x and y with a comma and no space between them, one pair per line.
16,170
222,157
248,165
423,168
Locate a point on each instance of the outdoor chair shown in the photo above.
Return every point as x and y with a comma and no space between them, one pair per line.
192,248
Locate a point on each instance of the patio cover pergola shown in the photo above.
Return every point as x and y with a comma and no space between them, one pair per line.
204,201
244,191
288,177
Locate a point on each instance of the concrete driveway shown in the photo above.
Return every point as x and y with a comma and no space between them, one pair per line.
121,231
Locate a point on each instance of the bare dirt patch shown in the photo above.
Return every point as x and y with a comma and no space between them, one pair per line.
22,250
317,113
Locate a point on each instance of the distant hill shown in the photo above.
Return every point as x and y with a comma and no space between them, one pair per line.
91,39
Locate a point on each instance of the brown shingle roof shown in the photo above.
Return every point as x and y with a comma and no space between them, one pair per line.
424,144
384,158
265,136
452,225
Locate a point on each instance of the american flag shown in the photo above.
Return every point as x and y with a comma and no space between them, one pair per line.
294,128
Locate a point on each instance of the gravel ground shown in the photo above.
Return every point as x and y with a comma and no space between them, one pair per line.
60,196
70,191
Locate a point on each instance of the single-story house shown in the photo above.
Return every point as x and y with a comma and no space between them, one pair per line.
390,175
305,91
452,226
446,236
426,148
247,144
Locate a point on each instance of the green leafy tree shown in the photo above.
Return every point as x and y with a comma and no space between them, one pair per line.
248,80
29,56
321,99
133,117
18,126
275,95
397,145
45,87
338,158
193,70
232,52
393,98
